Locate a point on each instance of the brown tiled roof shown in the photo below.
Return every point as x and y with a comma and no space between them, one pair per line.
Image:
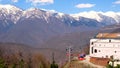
108,35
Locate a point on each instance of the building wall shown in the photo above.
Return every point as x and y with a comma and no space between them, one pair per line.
104,48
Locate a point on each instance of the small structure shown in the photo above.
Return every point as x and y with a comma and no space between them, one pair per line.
105,45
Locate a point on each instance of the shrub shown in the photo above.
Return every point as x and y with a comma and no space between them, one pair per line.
2,63
53,65
109,66
118,66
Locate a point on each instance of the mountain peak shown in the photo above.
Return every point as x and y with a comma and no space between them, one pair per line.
6,6
9,8
32,9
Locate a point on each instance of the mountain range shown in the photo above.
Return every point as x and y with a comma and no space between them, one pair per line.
38,31
35,27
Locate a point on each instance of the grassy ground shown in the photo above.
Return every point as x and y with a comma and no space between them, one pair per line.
77,64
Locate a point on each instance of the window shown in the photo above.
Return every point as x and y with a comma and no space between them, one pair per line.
92,49
109,40
95,50
91,43
106,56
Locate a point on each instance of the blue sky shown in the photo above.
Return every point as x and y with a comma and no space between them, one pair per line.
67,6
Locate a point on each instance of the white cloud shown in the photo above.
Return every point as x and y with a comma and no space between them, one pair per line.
85,5
40,2
14,1
117,2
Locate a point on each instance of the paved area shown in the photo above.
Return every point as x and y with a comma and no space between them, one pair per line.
82,64
86,61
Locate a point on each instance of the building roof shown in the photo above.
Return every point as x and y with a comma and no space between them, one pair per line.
108,35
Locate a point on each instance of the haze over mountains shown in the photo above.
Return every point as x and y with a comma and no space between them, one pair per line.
35,27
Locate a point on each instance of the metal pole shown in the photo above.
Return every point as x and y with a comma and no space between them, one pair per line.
53,60
112,60
69,48
113,64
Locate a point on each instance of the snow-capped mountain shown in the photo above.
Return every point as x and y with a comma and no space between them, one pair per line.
9,15
115,16
34,26
110,17
14,14
10,12
91,15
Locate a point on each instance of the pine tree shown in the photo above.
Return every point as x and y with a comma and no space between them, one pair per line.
29,63
2,63
21,63
53,65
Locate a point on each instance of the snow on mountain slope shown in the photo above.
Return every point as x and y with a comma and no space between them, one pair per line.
10,12
9,8
97,16
91,15
114,15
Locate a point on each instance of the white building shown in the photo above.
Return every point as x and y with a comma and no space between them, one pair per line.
105,45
